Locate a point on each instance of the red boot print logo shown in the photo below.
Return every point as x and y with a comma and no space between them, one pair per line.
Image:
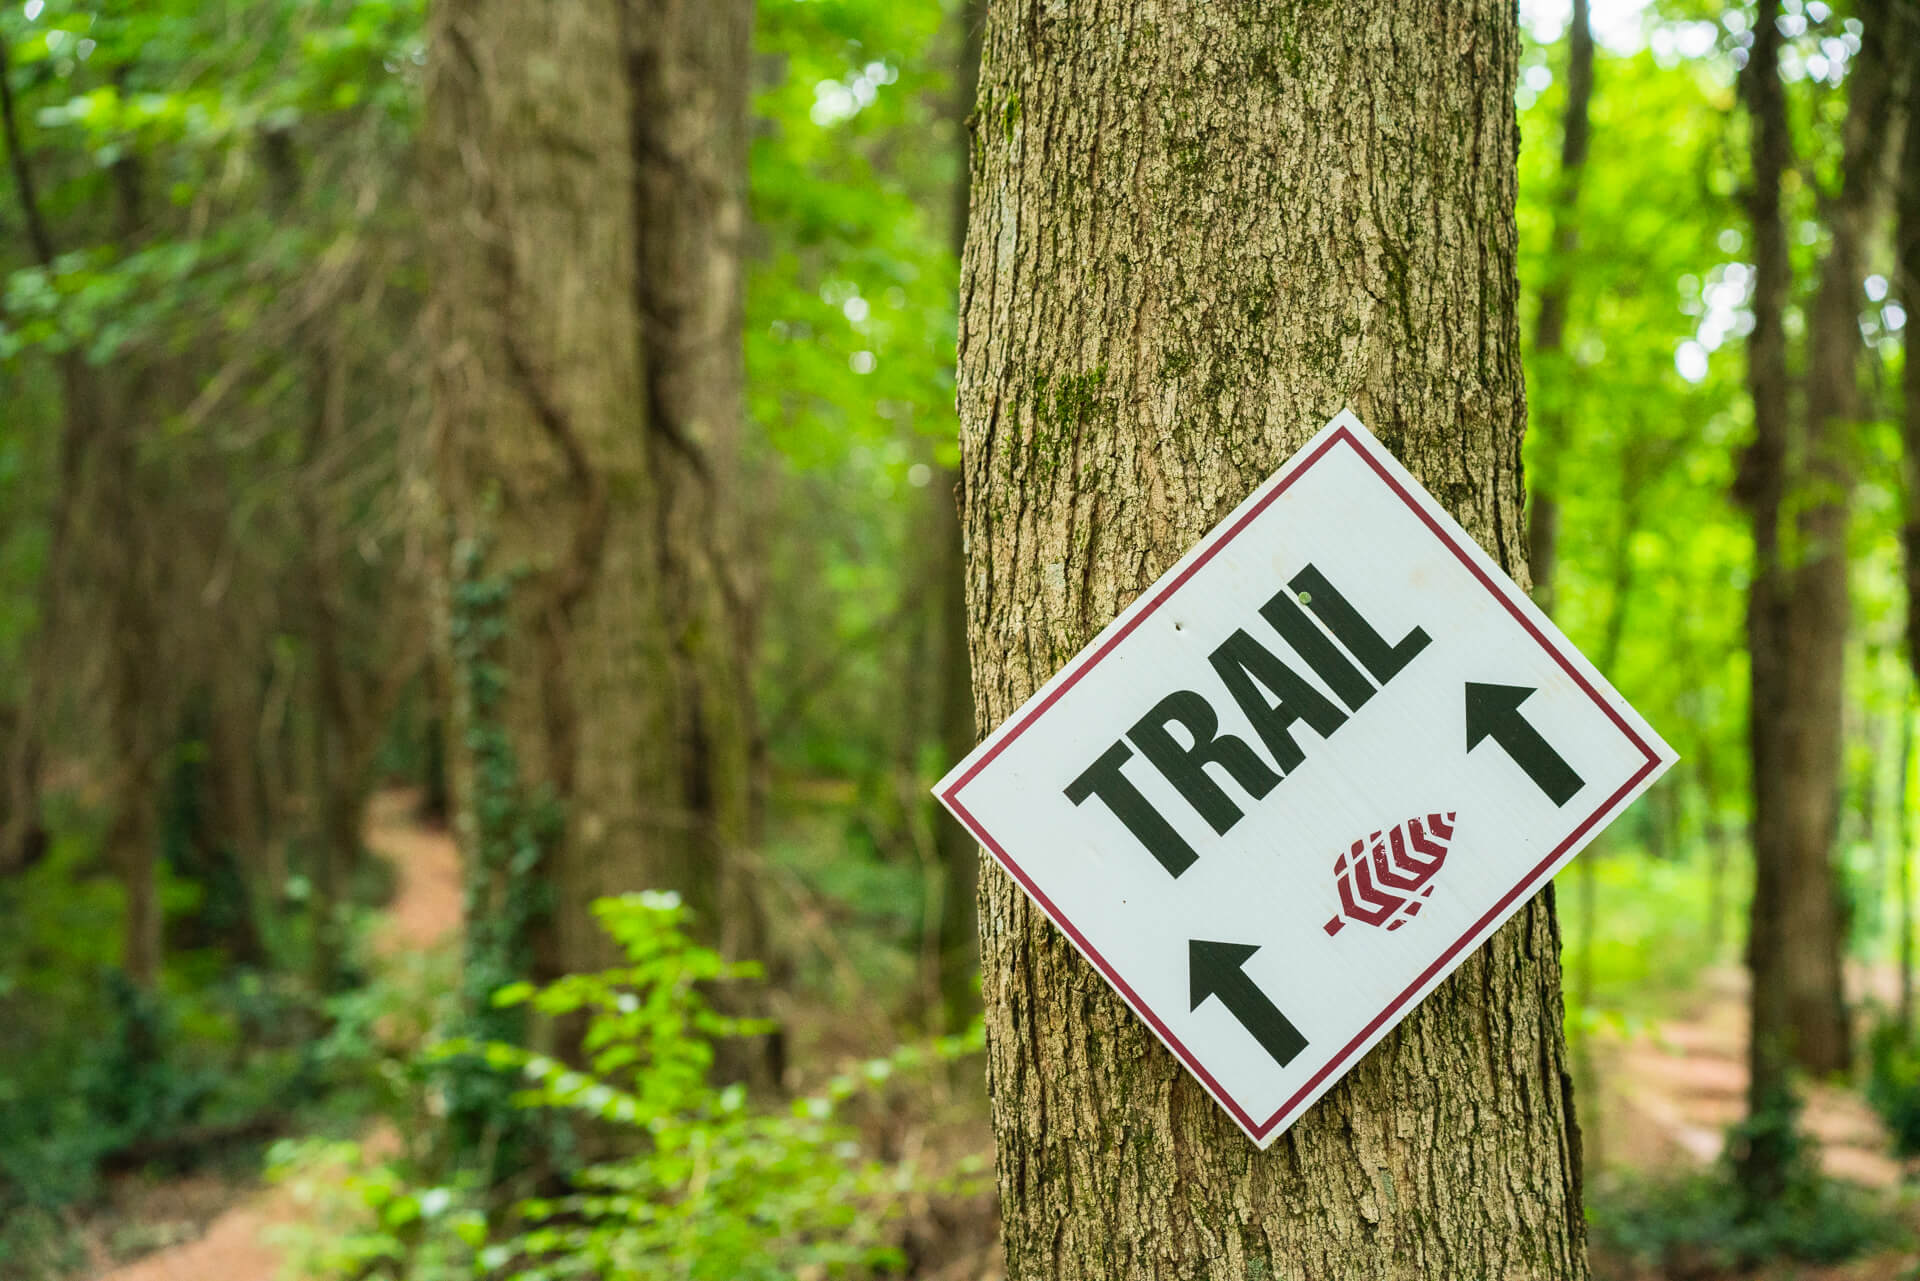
1384,879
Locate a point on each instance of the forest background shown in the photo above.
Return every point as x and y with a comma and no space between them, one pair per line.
259,612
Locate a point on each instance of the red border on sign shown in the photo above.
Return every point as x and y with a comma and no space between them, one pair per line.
1260,1129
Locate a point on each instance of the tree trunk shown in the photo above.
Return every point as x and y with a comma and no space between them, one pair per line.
587,164
23,837
133,716
1907,268
1550,325
688,66
1586,877
1761,482
1819,606
121,545
1903,869
333,728
1720,846
336,793
1797,487
958,853
1194,237
238,810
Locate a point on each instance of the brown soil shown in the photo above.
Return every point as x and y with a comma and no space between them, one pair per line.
1670,1093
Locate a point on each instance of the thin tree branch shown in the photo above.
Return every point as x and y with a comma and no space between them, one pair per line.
17,161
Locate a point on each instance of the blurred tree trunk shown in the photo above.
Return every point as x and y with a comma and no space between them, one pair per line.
1225,227
586,165
22,836
689,67
958,853
1819,607
436,806
331,719
1586,879
1903,868
1797,486
1550,325
134,776
121,542
1907,269
1720,844
99,474
1761,483
235,791
346,714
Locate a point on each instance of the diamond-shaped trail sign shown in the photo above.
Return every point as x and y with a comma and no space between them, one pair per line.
1307,772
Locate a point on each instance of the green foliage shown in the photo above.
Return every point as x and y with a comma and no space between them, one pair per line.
131,1087
1638,949
87,1062
165,142
700,1183
1893,1084
368,1063
1693,1225
1700,1223
136,1082
850,331
363,1220
715,1189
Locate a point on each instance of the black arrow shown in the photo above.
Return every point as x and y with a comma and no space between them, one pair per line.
1493,711
1216,970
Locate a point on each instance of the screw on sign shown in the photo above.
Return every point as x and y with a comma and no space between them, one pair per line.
1383,877
1328,660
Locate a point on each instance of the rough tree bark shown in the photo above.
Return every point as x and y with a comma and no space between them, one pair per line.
1197,231
586,163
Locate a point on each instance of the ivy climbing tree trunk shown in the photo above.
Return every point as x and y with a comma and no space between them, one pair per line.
1195,235
586,167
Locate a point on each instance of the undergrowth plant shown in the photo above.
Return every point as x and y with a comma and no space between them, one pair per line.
1893,1084
1700,1223
698,1183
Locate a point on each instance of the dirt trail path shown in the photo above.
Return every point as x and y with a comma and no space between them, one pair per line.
425,910
1673,1091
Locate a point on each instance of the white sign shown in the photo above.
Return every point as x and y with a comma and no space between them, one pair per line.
1308,771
